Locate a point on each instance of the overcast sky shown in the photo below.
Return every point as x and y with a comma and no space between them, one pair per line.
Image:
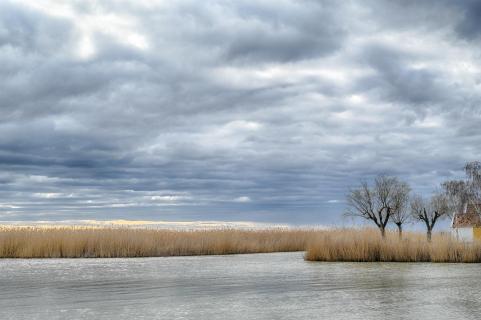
230,110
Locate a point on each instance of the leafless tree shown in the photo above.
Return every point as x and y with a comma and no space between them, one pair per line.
377,203
457,194
430,210
468,191
473,175
400,213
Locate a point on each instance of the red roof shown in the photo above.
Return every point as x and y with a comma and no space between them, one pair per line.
468,218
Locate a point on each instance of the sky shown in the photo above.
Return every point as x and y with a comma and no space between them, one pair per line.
264,111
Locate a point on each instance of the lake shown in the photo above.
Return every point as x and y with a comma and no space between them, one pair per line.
252,286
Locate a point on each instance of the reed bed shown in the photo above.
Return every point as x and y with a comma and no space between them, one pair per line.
366,245
353,245
86,242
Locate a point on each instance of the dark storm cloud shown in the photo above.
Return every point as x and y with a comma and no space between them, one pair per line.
229,110
395,78
469,26
298,32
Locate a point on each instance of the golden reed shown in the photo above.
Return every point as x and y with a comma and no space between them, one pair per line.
366,245
80,242
354,245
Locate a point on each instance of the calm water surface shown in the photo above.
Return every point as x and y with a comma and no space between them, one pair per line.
258,286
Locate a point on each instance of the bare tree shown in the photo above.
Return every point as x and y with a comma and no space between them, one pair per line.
377,203
400,213
430,211
473,177
468,191
457,194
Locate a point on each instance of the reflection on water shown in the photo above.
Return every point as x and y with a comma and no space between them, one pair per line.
259,286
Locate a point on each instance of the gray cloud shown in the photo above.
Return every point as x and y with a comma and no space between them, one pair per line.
229,110
469,27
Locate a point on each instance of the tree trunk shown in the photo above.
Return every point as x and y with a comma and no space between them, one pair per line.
400,230
383,232
429,235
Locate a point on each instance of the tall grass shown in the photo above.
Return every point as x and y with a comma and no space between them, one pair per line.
77,242
362,245
366,245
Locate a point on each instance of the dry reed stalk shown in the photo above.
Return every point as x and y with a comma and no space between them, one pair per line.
366,245
361,245
78,242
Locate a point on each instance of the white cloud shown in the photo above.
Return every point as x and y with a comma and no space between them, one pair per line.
334,201
242,199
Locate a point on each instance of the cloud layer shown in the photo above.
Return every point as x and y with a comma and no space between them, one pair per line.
230,110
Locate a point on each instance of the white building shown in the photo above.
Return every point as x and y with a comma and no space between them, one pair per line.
467,224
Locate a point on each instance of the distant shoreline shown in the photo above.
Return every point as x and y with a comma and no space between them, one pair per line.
147,224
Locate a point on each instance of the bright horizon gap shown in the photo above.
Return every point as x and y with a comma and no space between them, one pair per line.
162,224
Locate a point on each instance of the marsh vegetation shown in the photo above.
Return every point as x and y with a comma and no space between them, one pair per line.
84,242
362,245
367,245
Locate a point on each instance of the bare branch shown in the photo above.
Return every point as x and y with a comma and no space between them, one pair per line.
387,197
400,213
430,211
461,192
